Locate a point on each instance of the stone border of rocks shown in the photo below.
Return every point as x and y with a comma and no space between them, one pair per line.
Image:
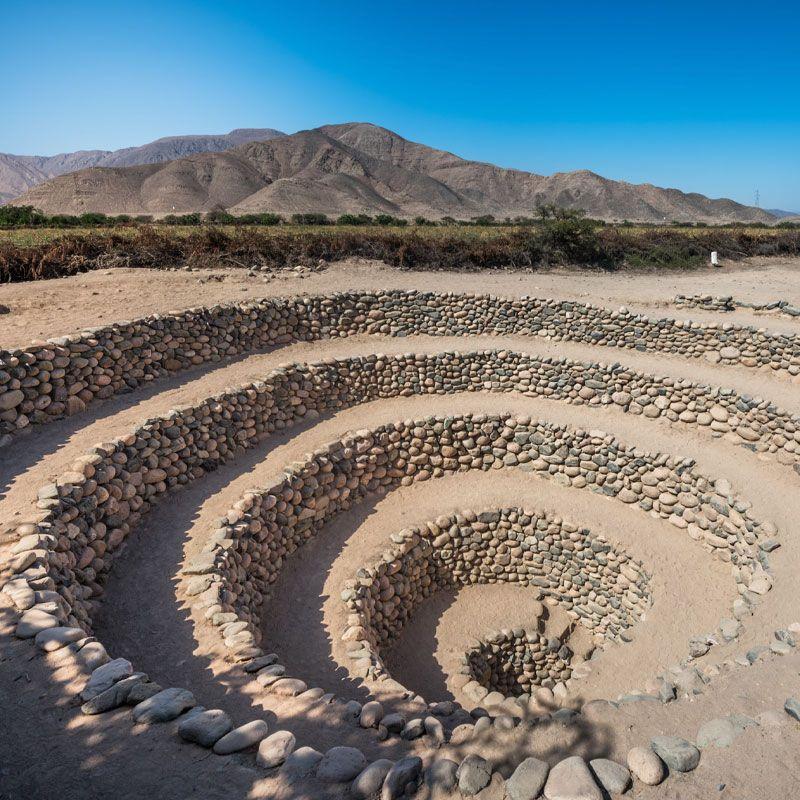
728,303
61,376
600,586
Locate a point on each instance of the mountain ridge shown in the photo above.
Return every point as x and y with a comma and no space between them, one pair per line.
18,173
358,167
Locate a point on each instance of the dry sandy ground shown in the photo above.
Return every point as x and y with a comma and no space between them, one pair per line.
48,749
45,309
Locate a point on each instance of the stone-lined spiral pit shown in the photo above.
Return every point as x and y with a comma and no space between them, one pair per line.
601,587
62,559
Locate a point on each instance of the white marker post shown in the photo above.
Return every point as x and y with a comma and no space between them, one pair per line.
714,259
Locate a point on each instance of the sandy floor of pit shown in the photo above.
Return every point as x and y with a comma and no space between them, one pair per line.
54,751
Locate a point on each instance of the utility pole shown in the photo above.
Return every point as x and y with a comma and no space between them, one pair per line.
758,199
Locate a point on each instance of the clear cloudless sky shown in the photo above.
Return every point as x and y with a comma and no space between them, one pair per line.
703,96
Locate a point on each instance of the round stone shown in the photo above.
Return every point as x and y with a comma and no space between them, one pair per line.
275,749
646,765
341,764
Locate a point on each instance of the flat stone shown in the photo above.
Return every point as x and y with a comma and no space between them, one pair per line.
34,621
247,735
288,687
164,706
275,749
113,697
52,639
716,732
341,764
406,771
142,691
646,766
613,777
368,783
473,774
527,780
205,728
571,779
259,663
105,676
678,754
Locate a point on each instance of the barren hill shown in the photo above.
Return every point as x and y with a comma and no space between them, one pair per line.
359,167
20,173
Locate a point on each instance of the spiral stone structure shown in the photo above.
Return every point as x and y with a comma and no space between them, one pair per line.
400,543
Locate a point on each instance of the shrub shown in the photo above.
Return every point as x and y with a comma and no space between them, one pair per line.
310,219
354,219
15,216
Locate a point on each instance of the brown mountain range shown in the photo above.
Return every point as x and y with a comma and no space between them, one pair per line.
20,173
359,167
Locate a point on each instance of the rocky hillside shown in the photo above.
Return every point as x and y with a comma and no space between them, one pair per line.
20,173
358,167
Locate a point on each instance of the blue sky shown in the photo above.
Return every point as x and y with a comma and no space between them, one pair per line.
702,96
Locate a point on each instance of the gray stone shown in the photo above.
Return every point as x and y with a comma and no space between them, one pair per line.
164,706
441,775
678,754
394,723
115,696
275,749
340,764
792,708
571,779
527,780
613,777
368,783
247,735
406,771
105,676
473,774
413,729
259,663
205,728
141,691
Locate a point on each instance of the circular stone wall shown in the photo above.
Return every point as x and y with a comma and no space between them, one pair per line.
601,587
